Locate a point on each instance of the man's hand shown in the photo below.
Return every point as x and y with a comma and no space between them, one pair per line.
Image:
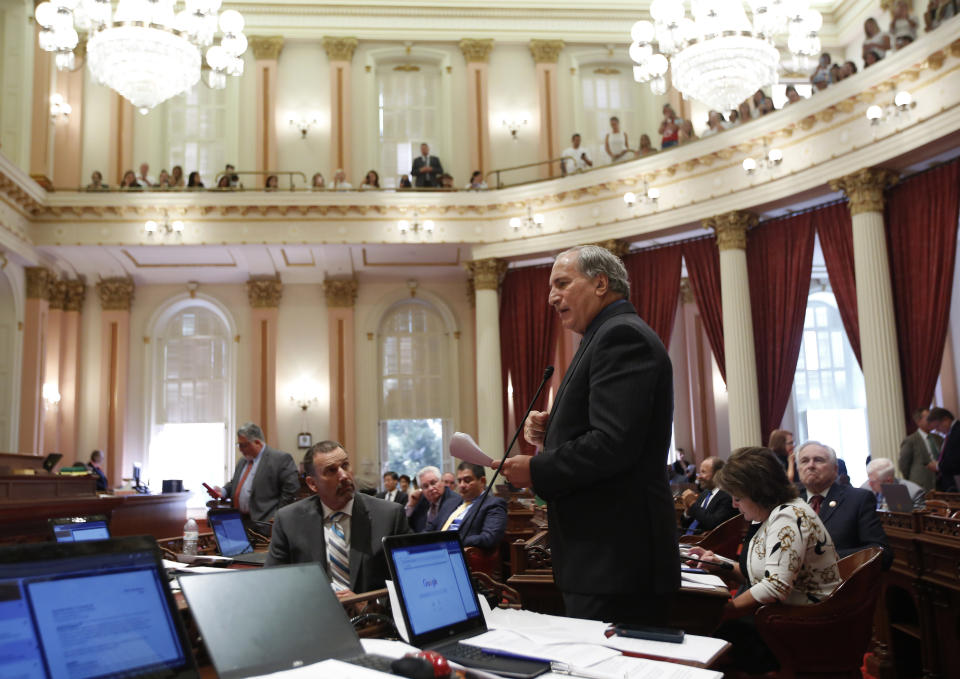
516,470
932,465
688,498
414,497
344,593
535,427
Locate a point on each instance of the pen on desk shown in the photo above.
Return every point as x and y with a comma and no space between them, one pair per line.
571,671
727,566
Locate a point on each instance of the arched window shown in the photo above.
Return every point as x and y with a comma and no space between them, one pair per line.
408,114
608,90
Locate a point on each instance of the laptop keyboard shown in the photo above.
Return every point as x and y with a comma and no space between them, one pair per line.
474,656
381,663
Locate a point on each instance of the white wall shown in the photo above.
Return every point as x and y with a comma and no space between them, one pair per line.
16,80
303,88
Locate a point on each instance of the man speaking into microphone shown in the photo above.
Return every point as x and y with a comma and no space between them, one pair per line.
604,451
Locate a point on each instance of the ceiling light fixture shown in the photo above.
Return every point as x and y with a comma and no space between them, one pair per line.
768,161
164,229
532,221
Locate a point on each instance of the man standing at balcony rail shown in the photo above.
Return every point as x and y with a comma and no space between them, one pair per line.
574,158
427,169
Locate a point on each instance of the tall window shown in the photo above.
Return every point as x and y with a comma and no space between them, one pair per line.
415,410
195,127
828,390
607,91
407,100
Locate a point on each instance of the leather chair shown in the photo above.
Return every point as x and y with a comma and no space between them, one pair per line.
484,561
724,540
827,639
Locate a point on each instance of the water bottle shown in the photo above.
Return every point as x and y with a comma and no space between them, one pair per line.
191,536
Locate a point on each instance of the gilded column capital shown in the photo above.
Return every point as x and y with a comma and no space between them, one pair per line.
115,293
265,46
686,292
476,51
340,293
614,245
339,49
486,273
471,293
546,51
731,228
39,279
76,293
864,188
57,294
264,293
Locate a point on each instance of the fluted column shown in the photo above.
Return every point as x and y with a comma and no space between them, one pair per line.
340,55
477,55
75,294
486,275
341,304
546,54
264,295
57,292
35,312
741,369
878,327
116,296
266,51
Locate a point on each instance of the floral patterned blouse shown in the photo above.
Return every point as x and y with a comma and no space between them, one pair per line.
792,558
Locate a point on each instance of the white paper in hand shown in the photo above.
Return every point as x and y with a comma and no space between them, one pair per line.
463,447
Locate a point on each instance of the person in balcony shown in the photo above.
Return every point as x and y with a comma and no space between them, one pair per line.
371,181
194,181
129,180
821,76
687,134
340,182
96,182
669,128
715,124
317,183
176,177
476,181
646,147
875,40
616,143
903,25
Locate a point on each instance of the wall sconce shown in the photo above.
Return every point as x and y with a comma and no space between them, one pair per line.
163,229
60,110
531,222
767,161
51,397
649,195
303,123
513,126
902,103
426,226
304,394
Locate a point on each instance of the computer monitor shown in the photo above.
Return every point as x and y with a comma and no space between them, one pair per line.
80,528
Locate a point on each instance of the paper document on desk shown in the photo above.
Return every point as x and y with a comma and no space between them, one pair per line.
625,667
702,579
541,648
325,670
463,447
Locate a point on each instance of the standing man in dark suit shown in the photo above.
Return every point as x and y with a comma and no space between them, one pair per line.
429,506
337,527
849,514
712,506
427,169
948,465
267,479
919,452
390,491
482,525
605,442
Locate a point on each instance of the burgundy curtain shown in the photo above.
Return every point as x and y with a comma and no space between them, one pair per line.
779,259
655,287
703,272
836,241
528,339
921,223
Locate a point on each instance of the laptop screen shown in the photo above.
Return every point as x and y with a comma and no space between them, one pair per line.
80,529
231,535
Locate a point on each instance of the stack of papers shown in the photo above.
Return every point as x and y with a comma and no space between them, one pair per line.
700,581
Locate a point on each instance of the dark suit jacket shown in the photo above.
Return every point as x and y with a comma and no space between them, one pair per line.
485,524
850,516
719,510
102,483
430,178
914,456
612,522
298,537
949,460
400,497
449,501
275,483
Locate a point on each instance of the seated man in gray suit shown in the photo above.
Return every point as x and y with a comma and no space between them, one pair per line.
920,451
337,527
881,471
265,481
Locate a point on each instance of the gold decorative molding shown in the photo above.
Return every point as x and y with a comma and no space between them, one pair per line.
57,294
476,51
339,49
76,294
264,293
686,292
864,188
731,228
341,293
486,274
265,46
546,51
39,279
116,293
406,68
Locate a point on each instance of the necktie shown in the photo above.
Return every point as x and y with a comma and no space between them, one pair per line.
243,477
934,450
432,512
691,529
453,523
338,555
815,503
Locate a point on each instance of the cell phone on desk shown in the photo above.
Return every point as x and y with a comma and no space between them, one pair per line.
674,636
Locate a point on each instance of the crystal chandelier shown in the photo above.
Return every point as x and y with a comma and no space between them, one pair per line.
719,57
146,50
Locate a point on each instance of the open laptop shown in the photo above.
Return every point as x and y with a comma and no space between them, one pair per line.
86,610
80,528
897,497
298,620
439,602
231,536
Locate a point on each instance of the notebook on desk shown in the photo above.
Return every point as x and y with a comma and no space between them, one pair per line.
80,528
231,536
90,609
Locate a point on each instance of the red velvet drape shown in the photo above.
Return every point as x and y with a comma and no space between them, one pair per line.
703,271
836,241
779,259
528,339
921,223
655,286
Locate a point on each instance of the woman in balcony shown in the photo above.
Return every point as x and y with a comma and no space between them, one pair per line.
371,181
176,177
193,181
876,40
616,143
129,180
317,183
273,183
646,147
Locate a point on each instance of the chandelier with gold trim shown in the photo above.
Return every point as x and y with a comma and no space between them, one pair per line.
717,55
146,50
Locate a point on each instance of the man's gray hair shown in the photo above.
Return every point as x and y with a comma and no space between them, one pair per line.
593,260
428,468
830,451
881,467
251,432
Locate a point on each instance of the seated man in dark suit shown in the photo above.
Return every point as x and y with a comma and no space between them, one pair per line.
337,527
429,506
849,514
96,467
712,507
390,491
483,525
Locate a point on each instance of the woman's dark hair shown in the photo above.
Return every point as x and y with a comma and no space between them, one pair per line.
755,473
194,180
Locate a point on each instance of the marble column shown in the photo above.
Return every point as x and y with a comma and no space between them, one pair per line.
546,54
878,328
68,133
340,56
264,295
477,55
36,308
731,229
40,133
76,291
341,304
486,275
57,291
266,51
116,296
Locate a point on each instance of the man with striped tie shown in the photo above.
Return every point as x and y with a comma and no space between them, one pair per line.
337,526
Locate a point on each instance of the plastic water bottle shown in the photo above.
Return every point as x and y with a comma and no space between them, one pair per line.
191,536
